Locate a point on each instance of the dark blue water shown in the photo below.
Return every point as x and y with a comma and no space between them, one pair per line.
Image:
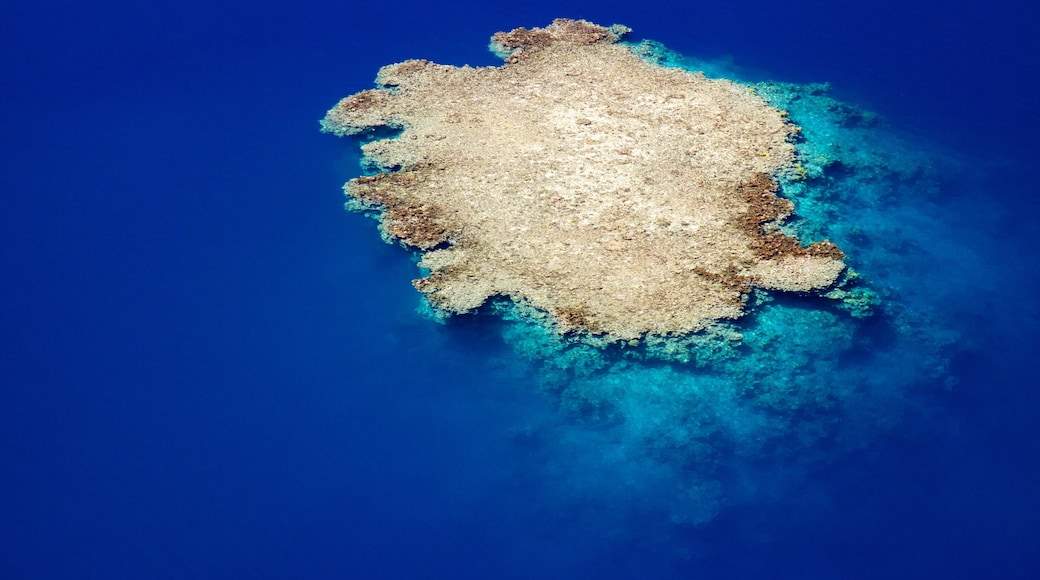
209,369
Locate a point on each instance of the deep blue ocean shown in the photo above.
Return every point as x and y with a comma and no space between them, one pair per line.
209,369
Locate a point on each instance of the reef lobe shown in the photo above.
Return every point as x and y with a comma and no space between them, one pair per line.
621,197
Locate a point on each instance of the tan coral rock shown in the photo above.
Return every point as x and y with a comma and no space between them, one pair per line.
621,197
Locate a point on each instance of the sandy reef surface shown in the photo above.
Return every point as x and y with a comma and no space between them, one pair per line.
623,198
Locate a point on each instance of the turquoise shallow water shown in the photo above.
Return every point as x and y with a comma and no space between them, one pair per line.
209,369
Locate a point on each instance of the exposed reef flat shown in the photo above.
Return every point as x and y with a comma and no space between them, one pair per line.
623,198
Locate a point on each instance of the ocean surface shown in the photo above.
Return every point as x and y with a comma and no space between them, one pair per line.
209,369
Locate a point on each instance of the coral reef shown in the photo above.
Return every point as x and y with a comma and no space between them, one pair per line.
596,186
622,198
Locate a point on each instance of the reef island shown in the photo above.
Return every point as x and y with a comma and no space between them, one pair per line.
622,198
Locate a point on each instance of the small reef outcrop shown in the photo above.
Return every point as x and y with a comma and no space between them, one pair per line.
622,198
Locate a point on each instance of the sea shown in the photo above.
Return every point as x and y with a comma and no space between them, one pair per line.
210,369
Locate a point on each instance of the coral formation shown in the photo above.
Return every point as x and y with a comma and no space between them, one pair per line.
564,179
622,198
